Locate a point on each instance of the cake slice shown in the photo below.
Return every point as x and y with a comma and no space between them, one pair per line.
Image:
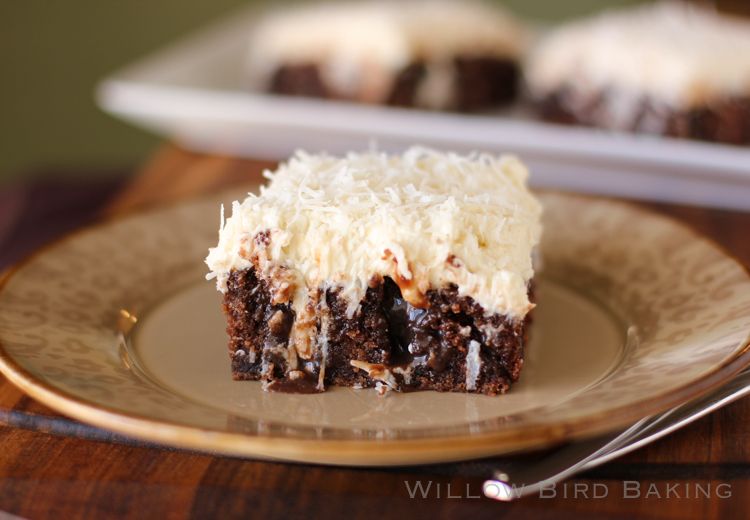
409,272
668,68
435,54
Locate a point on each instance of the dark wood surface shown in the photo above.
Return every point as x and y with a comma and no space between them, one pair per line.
54,467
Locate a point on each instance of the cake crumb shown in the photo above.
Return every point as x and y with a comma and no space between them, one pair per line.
382,389
296,374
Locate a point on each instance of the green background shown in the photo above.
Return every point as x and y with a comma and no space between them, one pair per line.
54,52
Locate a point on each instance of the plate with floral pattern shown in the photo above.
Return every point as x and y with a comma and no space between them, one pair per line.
117,327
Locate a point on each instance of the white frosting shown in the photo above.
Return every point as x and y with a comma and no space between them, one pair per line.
679,54
426,219
359,46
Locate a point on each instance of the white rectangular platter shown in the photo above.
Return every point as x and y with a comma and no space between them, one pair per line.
194,92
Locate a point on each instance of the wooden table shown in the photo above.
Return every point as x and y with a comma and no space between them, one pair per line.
79,471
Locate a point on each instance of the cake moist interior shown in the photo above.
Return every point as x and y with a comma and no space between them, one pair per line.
478,82
727,120
449,344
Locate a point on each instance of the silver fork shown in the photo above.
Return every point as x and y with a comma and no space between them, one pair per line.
520,480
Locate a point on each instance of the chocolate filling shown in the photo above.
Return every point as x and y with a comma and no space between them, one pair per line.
403,322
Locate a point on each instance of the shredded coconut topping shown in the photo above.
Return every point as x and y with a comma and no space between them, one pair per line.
426,219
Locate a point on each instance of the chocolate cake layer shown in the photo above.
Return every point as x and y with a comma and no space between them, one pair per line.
450,345
725,121
477,82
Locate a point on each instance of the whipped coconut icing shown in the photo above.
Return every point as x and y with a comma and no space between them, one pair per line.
679,54
426,219
360,46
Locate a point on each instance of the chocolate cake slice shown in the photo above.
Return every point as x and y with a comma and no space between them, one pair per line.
407,272
436,54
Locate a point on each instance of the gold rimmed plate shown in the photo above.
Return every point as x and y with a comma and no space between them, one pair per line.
116,326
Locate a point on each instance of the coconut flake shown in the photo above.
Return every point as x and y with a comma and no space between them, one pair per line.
473,365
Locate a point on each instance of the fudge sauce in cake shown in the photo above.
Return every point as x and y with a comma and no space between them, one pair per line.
669,68
437,54
402,272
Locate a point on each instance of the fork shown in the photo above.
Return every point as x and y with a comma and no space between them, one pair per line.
516,481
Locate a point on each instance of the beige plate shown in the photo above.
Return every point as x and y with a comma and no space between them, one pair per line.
636,314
